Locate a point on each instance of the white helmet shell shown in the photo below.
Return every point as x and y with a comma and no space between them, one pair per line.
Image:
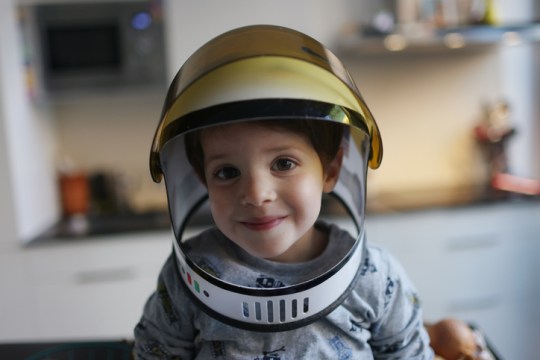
257,73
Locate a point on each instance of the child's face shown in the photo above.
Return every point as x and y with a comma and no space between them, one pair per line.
265,187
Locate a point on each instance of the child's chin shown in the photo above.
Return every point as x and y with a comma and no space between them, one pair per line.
268,254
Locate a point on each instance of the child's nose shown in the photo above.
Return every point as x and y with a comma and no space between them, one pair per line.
257,190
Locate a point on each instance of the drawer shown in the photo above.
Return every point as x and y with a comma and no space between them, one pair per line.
475,263
91,310
93,259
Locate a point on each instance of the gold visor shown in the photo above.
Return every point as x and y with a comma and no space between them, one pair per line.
260,62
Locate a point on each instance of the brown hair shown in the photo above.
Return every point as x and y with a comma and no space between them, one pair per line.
325,137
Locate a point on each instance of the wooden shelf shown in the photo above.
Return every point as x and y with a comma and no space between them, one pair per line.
421,40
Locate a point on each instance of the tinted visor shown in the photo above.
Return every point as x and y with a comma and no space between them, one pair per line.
259,62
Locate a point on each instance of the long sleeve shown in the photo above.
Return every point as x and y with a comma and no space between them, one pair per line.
165,330
398,331
380,319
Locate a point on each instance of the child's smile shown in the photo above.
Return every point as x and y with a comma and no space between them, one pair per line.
263,223
265,186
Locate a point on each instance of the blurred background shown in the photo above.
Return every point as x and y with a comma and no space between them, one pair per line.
453,85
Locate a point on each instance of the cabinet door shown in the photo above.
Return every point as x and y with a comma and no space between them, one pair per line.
479,258
459,259
95,288
410,238
525,290
18,312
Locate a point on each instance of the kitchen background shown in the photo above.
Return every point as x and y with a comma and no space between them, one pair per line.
427,99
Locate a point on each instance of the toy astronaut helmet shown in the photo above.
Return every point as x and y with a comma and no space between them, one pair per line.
258,73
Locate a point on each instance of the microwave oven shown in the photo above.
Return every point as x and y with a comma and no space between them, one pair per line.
97,45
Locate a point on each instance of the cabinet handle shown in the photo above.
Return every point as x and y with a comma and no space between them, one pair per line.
478,303
469,243
105,275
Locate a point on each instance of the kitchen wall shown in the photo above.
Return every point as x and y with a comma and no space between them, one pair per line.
426,106
113,134
130,120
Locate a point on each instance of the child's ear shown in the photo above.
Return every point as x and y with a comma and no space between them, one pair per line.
332,171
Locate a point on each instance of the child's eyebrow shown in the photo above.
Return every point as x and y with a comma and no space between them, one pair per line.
215,157
286,148
272,149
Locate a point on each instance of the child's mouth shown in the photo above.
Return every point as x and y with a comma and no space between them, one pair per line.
265,223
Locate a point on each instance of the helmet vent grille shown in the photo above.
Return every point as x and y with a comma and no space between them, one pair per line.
271,310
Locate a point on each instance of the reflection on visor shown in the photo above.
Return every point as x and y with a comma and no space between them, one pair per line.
185,191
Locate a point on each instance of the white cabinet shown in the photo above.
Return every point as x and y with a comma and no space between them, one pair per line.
95,288
526,286
478,263
474,263
17,300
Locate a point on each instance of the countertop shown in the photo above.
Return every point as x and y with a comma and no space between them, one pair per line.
81,227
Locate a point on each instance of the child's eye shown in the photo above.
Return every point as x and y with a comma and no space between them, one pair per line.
227,173
283,164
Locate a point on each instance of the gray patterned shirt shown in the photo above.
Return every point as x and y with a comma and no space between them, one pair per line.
380,319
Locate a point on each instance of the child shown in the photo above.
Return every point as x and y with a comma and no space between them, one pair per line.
263,121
